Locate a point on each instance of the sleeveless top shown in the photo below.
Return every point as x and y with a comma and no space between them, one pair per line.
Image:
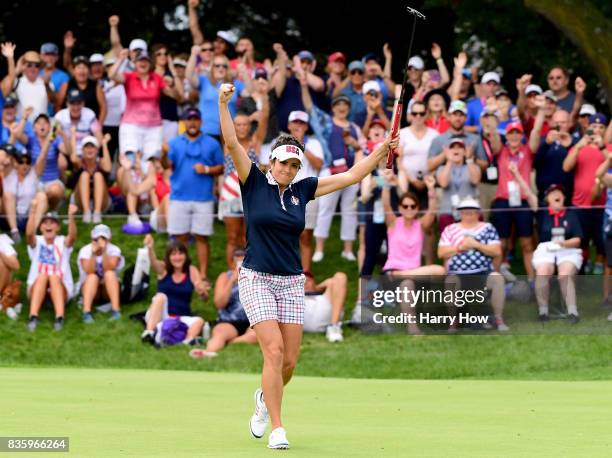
89,93
233,311
162,189
179,294
168,107
405,245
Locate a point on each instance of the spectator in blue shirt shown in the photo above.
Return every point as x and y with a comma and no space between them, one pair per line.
208,86
352,87
489,84
49,53
20,127
195,159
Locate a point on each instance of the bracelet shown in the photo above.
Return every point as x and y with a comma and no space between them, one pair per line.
469,160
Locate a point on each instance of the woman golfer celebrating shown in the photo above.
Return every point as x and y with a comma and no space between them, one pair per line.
271,282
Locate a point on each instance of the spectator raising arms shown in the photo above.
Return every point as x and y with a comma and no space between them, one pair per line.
50,272
177,279
99,265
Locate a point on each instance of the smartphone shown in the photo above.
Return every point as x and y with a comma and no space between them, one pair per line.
557,128
54,130
589,132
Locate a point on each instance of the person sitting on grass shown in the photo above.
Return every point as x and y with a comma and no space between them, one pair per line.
50,272
99,265
177,279
324,305
9,288
232,323
560,235
468,248
92,173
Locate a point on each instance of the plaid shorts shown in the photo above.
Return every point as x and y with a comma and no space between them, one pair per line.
271,297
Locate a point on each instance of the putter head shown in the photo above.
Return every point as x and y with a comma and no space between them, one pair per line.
415,12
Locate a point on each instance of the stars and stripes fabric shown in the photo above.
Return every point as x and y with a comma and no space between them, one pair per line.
471,261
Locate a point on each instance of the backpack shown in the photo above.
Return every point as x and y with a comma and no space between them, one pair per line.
173,331
133,293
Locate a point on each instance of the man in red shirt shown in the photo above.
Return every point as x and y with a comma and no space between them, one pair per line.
584,159
511,206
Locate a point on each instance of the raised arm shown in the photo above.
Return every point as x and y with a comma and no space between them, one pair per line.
194,23
263,87
239,155
158,266
101,98
106,163
8,51
390,179
72,227
359,170
41,161
455,88
534,136
521,103
428,220
306,98
579,87
436,53
69,42
279,77
190,71
115,40
114,72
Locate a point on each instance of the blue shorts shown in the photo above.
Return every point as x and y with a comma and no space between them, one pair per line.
521,217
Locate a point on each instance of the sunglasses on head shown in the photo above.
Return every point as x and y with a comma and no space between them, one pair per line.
161,53
24,160
220,66
409,206
206,49
417,113
356,72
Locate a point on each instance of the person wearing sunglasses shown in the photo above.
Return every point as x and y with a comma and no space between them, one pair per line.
49,53
32,90
352,87
208,87
168,106
375,110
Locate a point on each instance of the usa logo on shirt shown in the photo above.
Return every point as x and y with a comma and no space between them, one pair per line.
295,200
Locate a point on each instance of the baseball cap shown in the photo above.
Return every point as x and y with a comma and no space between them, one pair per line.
586,109
370,56
598,118
550,96
285,152
468,203
500,92
50,215
32,56
554,187
192,113
467,73
456,140
261,73
340,98
458,105
138,43
75,96
101,230
515,125
178,62
10,101
144,55
370,86
416,62
96,58
306,55
80,60
484,113
9,149
109,61
228,36
531,88
336,57
490,76
299,116
356,65
49,48
378,122
90,140
42,115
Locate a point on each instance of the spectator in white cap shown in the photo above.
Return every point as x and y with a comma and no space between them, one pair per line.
352,87
92,171
79,117
311,166
586,111
224,42
99,265
375,72
49,53
489,84
96,66
375,110
114,94
468,248
91,91
526,102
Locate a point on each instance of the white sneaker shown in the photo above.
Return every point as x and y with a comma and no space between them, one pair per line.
278,439
349,256
87,217
96,218
504,269
259,420
317,257
610,317
334,333
133,220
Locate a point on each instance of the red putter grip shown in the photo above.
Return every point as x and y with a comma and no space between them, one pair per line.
394,130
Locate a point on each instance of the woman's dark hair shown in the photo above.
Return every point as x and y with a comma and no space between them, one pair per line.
412,196
176,246
156,47
284,139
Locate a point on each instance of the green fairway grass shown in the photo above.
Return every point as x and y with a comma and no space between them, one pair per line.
135,413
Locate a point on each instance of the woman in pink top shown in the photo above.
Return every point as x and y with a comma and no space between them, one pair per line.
405,236
140,130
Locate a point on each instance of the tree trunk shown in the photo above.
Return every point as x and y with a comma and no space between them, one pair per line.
588,28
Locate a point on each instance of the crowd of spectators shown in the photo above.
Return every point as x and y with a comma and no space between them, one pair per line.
483,171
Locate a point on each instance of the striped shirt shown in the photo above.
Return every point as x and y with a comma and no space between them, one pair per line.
472,261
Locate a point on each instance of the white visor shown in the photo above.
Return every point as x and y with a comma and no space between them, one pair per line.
284,152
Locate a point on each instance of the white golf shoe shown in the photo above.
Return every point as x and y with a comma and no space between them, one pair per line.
278,439
259,420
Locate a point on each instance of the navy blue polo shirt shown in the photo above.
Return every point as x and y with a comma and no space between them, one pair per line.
568,220
273,227
548,164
